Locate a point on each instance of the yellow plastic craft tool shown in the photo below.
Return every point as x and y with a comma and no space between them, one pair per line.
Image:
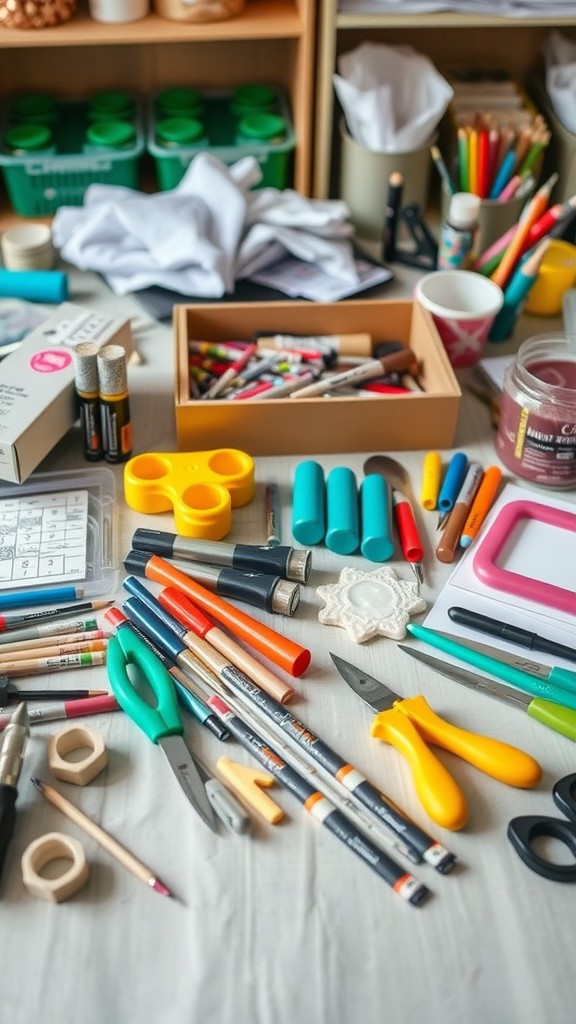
200,487
431,476
248,783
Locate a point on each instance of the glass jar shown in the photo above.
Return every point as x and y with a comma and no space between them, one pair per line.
537,430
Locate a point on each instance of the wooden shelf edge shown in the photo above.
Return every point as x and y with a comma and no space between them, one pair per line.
441,20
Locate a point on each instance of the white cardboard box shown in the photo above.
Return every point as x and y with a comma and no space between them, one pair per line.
37,396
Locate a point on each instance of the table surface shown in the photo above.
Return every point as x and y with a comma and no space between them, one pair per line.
285,924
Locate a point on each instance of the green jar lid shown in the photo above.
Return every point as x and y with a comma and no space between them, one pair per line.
110,134
179,100
35,108
264,127
111,103
254,97
28,137
179,131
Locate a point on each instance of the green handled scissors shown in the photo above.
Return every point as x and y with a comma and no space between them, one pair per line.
161,724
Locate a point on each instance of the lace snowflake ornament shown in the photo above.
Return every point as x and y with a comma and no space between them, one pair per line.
367,604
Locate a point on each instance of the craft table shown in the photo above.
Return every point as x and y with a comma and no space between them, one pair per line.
287,926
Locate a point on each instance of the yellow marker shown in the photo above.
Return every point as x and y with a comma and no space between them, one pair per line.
431,476
248,783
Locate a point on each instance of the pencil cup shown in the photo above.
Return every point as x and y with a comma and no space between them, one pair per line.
557,274
463,306
494,218
364,176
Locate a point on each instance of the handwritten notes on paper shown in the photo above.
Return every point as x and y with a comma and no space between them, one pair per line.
43,538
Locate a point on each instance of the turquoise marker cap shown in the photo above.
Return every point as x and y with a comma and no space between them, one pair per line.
343,518
376,518
309,503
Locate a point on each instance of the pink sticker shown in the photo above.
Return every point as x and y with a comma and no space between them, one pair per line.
50,360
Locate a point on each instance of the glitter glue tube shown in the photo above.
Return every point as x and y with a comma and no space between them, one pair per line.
114,403
343,526
88,392
376,518
309,503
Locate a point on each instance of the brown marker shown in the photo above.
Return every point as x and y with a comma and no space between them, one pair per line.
450,540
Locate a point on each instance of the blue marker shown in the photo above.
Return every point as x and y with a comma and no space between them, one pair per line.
451,484
50,595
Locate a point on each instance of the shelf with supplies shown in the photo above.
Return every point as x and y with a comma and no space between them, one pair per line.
271,41
445,37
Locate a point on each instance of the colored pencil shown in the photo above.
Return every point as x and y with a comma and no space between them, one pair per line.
49,651
105,840
59,663
535,209
442,170
42,633
6,650
32,618
57,710
33,596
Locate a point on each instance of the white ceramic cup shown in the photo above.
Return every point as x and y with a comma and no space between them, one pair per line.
463,305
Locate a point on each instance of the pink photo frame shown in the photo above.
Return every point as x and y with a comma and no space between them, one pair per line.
493,575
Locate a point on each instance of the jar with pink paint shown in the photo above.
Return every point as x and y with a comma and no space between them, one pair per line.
537,431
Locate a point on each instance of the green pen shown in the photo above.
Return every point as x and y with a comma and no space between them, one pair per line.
528,683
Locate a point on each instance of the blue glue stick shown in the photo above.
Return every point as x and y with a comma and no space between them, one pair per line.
342,514
308,503
376,518
34,285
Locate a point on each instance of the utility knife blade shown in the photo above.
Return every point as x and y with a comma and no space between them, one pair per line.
374,693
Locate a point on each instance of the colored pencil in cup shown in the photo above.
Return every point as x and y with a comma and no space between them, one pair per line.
534,211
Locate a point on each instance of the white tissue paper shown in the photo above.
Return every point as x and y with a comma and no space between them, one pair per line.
393,97
203,235
560,58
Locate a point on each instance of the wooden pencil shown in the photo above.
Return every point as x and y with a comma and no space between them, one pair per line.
106,841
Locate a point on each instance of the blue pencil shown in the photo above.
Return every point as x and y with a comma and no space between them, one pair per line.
27,598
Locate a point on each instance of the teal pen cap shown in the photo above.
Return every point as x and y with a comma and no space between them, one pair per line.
516,293
308,503
342,513
376,518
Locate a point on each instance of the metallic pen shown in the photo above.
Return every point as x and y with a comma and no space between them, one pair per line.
290,563
11,757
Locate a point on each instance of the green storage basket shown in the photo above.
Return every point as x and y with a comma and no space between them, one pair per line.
220,138
38,183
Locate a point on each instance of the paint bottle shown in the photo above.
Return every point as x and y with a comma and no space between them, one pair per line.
114,403
459,232
87,391
537,431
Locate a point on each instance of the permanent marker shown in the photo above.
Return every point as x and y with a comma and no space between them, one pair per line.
481,505
512,634
450,540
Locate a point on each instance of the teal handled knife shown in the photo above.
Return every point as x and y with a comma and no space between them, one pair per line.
515,676
546,712
563,677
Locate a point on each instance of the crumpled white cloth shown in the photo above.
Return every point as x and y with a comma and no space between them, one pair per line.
560,58
203,235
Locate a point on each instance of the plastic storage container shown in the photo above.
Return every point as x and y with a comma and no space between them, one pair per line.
38,183
222,115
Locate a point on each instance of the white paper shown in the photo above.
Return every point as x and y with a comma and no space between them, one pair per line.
43,539
392,96
306,281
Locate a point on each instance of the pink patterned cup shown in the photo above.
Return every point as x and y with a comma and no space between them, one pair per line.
463,306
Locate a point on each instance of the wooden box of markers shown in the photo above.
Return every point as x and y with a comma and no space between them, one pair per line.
283,426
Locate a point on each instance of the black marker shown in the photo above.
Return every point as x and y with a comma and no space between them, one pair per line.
393,203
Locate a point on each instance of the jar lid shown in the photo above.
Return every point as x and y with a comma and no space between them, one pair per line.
112,134
179,131
464,209
253,95
179,98
33,105
111,101
264,127
28,136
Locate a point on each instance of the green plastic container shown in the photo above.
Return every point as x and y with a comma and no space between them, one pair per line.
111,105
181,101
110,135
175,132
270,139
22,139
34,108
38,182
254,99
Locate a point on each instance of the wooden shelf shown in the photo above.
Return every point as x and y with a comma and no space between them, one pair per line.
448,38
262,19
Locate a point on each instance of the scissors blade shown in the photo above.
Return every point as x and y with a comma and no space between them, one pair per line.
374,693
183,765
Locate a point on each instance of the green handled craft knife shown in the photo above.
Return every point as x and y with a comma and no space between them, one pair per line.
555,716
563,677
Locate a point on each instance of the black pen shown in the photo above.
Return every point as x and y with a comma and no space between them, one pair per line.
11,756
393,203
513,634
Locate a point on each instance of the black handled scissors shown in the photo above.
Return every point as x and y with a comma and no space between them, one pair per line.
523,831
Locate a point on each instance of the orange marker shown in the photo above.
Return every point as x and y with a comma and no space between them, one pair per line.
190,616
481,505
287,654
